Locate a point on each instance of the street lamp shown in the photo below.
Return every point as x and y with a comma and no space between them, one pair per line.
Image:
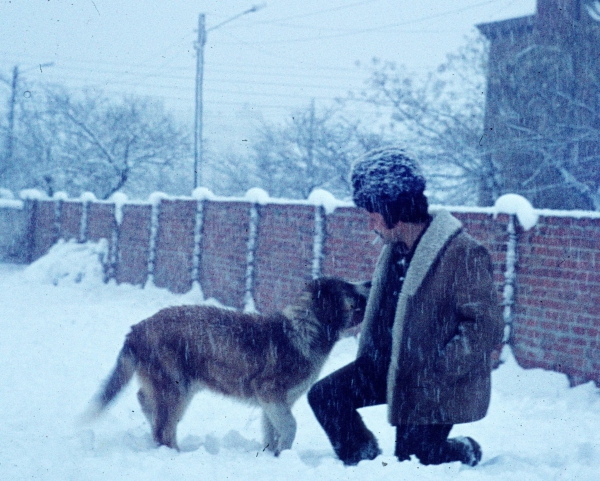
199,46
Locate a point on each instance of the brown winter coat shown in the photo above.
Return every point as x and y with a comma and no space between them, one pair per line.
447,323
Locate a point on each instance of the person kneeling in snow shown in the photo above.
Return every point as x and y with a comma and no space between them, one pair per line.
431,324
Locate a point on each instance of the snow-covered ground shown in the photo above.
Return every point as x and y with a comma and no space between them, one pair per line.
61,329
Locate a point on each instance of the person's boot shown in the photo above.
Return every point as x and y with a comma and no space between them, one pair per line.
463,449
466,450
367,451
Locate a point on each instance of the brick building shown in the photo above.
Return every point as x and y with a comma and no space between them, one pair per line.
542,122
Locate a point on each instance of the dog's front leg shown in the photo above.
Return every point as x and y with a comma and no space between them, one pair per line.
270,435
283,424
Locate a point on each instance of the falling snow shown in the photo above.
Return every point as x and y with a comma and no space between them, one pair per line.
62,328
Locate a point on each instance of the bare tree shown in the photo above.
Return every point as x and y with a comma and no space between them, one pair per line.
313,148
227,172
107,146
440,119
91,142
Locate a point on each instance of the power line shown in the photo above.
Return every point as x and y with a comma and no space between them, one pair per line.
380,28
145,75
320,37
133,69
242,77
318,12
335,75
187,37
260,100
128,66
279,71
293,74
110,87
213,91
221,80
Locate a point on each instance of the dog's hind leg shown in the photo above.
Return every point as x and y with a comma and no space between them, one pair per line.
283,423
147,403
170,403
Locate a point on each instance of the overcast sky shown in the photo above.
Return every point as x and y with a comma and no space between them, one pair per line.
263,63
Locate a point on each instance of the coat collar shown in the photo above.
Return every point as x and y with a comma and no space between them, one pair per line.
443,227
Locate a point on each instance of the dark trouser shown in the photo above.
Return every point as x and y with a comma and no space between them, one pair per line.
335,400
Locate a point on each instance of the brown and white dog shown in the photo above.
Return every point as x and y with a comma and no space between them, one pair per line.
269,361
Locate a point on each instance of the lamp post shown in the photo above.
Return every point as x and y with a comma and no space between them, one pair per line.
198,126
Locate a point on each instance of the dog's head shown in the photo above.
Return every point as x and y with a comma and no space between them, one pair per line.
327,307
338,304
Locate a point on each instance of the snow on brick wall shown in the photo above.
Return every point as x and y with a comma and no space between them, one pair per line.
556,307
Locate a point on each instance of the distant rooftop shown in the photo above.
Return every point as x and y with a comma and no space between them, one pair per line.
517,9
505,27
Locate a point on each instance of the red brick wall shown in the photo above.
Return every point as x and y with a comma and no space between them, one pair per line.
70,220
284,254
491,232
100,221
557,298
557,322
350,249
16,239
44,233
133,246
175,245
223,253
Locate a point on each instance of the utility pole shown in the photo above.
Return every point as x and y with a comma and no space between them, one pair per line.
11,116
198,158
199,46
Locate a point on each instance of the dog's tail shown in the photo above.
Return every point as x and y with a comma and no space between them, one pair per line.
122,373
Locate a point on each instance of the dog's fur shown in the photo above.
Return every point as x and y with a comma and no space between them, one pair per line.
269,361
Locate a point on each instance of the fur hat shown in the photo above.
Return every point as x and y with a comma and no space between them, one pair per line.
385,175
